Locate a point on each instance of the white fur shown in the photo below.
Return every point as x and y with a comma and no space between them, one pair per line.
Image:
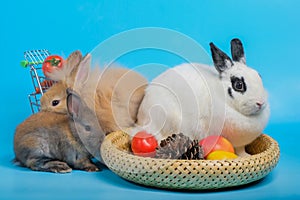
193,99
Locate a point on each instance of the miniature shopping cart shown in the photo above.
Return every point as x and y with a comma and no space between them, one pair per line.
34,60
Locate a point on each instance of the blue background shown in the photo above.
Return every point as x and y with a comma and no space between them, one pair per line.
269,30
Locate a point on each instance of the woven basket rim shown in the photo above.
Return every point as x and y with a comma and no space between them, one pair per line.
109,147
272,145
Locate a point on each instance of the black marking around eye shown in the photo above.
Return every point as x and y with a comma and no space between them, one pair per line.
238,84
230,92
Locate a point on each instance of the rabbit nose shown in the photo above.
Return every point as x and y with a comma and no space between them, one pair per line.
260,104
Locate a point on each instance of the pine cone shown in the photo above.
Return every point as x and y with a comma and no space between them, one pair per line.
179,147
194,152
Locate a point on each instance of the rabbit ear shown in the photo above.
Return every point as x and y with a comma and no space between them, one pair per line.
73,103
72,62
237,51
83,71
74,58
221,60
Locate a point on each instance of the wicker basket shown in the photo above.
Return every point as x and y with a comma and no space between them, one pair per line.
189,174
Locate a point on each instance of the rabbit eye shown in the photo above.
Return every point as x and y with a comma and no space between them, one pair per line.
238,84
55,102
87,128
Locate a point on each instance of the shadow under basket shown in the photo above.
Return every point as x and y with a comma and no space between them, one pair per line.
189,174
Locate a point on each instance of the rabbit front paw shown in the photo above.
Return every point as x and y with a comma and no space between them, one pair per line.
54,166
60,167
92,168
87,165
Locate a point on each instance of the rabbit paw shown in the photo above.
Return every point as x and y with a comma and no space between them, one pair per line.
57,167
241,152
91,168
86,165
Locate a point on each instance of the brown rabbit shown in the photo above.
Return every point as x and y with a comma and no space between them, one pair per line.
115,93
55,99
53,142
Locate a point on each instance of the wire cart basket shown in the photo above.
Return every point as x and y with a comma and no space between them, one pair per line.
34,60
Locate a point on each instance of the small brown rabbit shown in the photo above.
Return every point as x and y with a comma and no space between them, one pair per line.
115,93
55,99
53,142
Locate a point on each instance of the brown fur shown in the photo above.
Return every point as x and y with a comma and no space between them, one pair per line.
114,93
56,93
49,141
65,79
118,95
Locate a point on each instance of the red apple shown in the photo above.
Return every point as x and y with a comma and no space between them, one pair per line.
144,144
215,143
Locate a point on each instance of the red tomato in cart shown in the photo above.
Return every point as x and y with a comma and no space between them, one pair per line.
50,63
144,144
45,85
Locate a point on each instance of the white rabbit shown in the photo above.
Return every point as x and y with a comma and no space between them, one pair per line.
199,100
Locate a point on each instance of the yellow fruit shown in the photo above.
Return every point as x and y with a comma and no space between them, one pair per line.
221,155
